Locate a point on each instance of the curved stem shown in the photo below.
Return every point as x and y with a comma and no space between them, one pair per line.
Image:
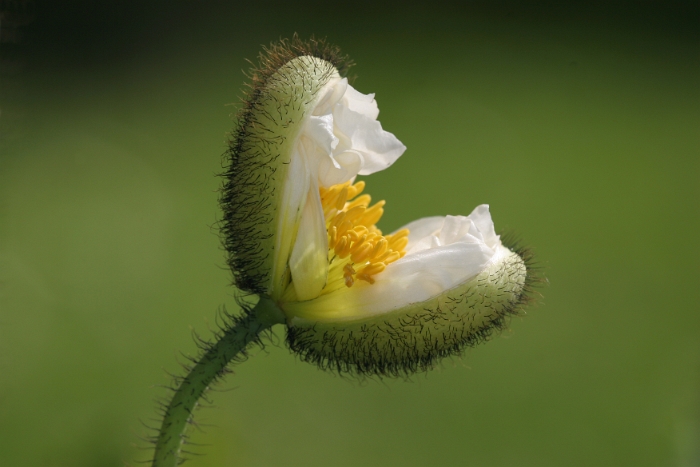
207,369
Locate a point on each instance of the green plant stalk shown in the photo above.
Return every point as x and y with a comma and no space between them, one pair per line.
211,366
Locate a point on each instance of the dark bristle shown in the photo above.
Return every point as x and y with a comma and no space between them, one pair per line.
239,227
359,357
535,278
227,321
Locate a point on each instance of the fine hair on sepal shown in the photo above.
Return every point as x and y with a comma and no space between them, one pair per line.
417,341
248,188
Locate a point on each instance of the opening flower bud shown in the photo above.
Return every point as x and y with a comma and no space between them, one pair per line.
302,233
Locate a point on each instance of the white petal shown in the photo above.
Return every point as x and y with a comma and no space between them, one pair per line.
482,219
319,130
417,279
334,91
379,148
339,168
452,250
421,228
293,200
436,269
361,103
477,227
308,262
459,229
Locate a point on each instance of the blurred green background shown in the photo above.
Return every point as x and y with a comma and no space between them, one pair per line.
579,125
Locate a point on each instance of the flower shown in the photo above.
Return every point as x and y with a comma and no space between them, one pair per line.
302,235
340,139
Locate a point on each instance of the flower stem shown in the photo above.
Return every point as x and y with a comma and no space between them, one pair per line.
210,367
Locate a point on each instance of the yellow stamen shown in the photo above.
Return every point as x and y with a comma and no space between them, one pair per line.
380,248
365,277
372,215
400,244
357,248
356,189
391,257
340,246
363,200
361,253
348,272
332,236
342,198
372,269
355,213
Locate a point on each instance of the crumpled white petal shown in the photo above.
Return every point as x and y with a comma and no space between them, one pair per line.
358,131
443,252
361,103
340,168
349,139
334,92
434,232
319,130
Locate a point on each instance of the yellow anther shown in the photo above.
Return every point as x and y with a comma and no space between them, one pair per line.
353,237
354,213
355,189
380,248
344,227
360,241
374,229
400,244
365,277
373,268
340,245
342,198
399,234
393,256
348,272
329,197
372,216
333,236
338,219
382,257
349,281
363,200
361,253
346,250
357,233
377,206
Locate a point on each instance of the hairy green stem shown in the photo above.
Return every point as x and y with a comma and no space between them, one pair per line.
208,368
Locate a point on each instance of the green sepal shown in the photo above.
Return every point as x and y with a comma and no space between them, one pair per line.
413,338
285,87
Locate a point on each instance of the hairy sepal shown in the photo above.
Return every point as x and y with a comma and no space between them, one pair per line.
255,226
415,337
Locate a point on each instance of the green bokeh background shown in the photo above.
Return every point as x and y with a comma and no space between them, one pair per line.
579,125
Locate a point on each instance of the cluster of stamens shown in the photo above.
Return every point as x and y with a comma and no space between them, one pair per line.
353,239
